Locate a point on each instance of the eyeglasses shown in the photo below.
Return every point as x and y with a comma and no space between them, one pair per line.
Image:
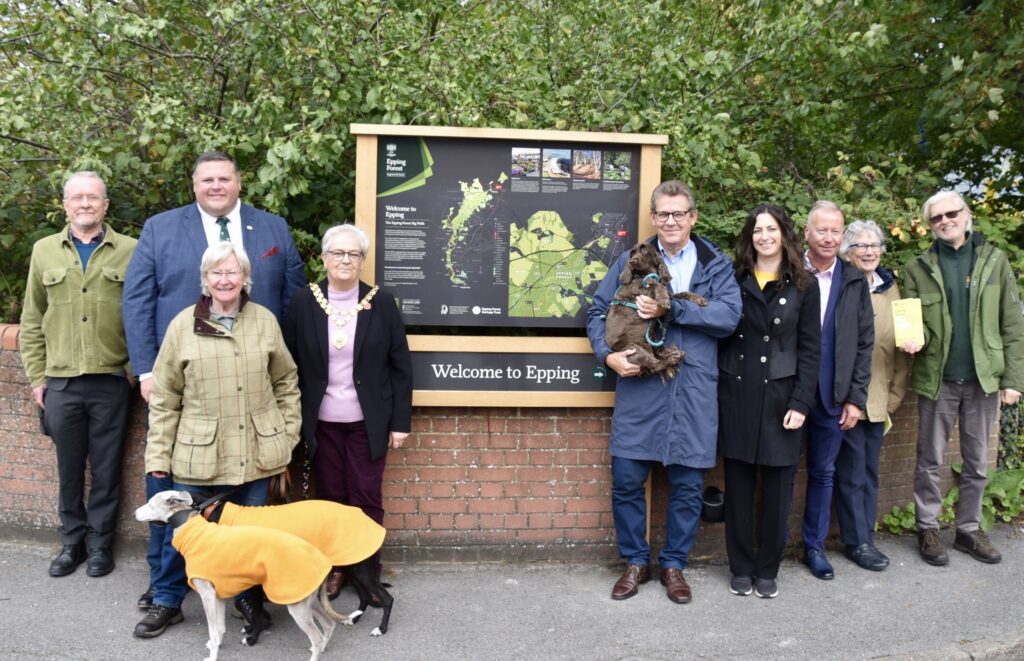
678,216
340,255
221,275
867,247
82,199
949,215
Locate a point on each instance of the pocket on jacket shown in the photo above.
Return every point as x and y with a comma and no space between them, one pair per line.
272,447
195,453
111,348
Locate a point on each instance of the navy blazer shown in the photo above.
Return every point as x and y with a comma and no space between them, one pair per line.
382,370
163,275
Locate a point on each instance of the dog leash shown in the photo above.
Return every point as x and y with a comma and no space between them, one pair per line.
653,323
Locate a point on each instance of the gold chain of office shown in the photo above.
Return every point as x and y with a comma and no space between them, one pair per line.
340,319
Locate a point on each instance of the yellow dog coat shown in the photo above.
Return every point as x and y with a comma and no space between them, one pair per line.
342,533
235,559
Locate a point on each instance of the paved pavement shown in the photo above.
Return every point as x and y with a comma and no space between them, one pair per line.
443,612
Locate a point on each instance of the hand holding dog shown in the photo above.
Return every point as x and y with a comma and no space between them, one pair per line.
648,308
619,361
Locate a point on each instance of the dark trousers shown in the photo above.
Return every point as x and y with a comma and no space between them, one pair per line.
86,416
857,482
629,509
823,440
172,586
740,491
345,472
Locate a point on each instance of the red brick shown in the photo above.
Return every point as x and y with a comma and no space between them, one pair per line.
490,521
433,441
514,490
540,521
491,489
538,474
492,506
466,521
585,473
517,521
538,536
539,489
417,521
417,489
460,457
414,457
441,474
441,490
542,505
401,505
587,519
507,441
492,458
470,424
442,505
587,505
491,474
442,521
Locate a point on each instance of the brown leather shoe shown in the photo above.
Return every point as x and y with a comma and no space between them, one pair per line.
334,582
676,586
630,581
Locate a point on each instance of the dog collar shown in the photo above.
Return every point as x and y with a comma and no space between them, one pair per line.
179,518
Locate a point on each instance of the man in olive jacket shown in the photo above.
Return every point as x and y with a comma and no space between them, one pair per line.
973,348
73,348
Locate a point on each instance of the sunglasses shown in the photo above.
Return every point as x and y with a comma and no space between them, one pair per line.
949,215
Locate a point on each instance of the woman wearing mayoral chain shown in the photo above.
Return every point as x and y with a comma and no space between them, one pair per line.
355,376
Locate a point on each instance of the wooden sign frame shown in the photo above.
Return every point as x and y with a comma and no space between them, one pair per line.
649,176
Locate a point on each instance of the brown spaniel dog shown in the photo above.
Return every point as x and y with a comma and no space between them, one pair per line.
645,273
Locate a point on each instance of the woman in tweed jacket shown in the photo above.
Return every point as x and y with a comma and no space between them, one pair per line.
224,413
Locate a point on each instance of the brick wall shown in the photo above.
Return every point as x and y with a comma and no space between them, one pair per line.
471,483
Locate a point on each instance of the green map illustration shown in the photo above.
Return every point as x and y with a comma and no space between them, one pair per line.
550,276
555,258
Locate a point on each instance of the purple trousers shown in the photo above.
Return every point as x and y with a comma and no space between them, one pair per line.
345,472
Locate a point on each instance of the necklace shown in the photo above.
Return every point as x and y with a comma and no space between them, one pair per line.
341,319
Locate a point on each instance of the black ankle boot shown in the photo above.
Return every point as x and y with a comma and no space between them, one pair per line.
256,619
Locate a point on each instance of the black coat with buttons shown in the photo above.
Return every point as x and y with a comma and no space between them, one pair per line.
768,366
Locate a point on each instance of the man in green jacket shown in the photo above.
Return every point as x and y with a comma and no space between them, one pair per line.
972,358
73,349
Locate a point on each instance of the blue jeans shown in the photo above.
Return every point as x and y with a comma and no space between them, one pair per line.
629,507
172,586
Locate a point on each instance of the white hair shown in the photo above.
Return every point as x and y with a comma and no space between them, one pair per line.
84,174
346,228
942,195
216,254
822,205
855,229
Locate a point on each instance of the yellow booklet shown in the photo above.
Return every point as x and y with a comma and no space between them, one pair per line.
908,326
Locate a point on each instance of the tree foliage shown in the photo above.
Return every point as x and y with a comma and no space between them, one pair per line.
873,104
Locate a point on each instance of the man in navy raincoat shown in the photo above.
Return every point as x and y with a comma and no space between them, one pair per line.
674,424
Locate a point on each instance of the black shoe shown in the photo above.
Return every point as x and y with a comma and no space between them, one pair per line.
976,543
766,588
157,619
867,557
256,619
819,564
145,599
100,563
71,555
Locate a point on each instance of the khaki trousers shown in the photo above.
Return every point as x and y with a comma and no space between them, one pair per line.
977,412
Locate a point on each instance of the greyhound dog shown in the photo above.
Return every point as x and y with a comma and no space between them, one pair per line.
221,562
344,534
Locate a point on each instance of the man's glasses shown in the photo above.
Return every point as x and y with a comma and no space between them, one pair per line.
82,199
340,255
949,215
678,216
867,247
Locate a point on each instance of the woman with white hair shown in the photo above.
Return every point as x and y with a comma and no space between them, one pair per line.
355,374
224,413
857,465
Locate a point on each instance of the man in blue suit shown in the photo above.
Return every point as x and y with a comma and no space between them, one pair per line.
162,280
847,337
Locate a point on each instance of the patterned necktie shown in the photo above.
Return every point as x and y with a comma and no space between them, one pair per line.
223,222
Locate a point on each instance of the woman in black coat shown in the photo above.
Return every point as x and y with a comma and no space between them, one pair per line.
355,376
768,371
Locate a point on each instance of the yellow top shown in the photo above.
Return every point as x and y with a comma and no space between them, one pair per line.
236,559
343,533
764,277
